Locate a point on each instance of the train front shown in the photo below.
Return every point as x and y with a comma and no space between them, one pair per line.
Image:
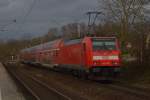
106,59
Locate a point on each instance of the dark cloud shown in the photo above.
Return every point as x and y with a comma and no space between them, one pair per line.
4,3
45,14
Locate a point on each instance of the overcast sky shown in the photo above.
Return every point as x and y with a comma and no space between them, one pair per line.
45,14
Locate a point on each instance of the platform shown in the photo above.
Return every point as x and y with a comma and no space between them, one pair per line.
8,88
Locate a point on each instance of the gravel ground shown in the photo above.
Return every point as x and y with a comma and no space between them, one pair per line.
85,88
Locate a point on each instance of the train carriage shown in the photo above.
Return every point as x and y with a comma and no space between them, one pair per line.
98,56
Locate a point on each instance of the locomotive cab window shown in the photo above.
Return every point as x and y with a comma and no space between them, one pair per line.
104,44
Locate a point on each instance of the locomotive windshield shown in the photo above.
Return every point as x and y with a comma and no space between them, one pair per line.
104,44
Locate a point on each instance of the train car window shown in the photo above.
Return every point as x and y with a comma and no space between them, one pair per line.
56,53
104,44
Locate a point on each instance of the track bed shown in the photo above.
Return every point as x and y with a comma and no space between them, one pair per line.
78,89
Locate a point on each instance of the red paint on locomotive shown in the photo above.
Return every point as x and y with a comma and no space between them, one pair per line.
90,54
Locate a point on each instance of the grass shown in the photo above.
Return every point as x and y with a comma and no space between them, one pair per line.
136,74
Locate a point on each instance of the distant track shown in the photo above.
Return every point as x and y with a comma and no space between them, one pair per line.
37,88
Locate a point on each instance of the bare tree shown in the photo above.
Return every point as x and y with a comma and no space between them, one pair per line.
125,12
74,30
51,35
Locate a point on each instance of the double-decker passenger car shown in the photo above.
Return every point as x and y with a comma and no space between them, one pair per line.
89,56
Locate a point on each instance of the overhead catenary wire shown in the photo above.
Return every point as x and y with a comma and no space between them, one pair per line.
27,15
3,26
29,11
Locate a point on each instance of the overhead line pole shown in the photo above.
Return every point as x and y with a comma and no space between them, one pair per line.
91,25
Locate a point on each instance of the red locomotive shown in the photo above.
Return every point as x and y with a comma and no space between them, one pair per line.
92,56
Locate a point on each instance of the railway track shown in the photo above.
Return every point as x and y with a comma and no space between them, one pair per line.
123,87
144,94
37,88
